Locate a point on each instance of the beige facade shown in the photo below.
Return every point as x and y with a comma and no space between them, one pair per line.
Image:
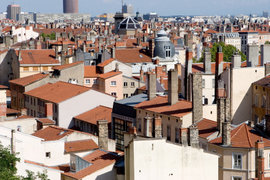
130,86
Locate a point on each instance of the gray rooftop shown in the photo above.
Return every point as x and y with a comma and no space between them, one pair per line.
133,100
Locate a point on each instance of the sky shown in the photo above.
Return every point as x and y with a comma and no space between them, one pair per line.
162,7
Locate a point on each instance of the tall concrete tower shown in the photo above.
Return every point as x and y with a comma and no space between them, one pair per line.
71,6
13,11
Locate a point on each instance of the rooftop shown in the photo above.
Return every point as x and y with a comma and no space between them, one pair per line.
28,79
98,113
65,66
79,146
52,133
133,55
57,92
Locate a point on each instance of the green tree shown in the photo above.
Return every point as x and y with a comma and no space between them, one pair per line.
267,42
50,36
8,162
228,51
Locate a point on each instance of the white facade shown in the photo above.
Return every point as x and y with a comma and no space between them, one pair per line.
24,33
27,125
80,104
157,159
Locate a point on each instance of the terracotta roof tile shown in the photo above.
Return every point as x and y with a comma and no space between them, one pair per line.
206,127
3,87
28,79
79,146
243,136
109,74
90,72
38,56
160,105
106,62
99,159
12,111
65,66
57,92
98,113
46,121
52,133
198,67
133,55
263,82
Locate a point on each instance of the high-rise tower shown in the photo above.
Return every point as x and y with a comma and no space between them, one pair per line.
13,11
71,6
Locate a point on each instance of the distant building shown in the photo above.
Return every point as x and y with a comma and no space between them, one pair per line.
150,16
127,9
70,6
13,11
265,14
67,17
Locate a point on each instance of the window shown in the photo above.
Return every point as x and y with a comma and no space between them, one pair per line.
95,81
125,95
205,101
87,81
125,84
236,178
167,51
48,154
25,68
263,101
203,83
19,128
113,83
256,100
237,161
168,133
35,68
132,84
268,160
177,135
213,83
113,94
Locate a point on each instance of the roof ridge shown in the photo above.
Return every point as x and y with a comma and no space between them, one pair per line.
237,130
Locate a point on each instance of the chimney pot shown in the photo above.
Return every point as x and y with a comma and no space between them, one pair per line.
152,83
103,134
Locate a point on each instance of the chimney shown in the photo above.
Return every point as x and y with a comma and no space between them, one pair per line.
141,74
265,55
13,142
172,87
49,110
151,47
148,129
113,52
187,73
184,136
103,134
207,62
63,57
158,127
226,133
220,113
259,150
267,69
116,67
252,55
236,60
56,52
194,136
219,61
197,112
84,47
152,83
20,55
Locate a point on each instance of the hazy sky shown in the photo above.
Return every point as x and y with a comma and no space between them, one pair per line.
162,7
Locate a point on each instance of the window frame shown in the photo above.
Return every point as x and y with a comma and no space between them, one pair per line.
233,160
87,81
113,83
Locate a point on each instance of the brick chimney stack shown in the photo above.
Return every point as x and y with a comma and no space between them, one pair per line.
207,62
152,83
173,87
158,127
259,148
13,141
219,61
197,112
113,52
194,136
226,133
103,134
148,129
188,68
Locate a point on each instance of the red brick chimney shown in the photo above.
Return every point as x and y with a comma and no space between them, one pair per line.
259,147
158,127
49,110
219,61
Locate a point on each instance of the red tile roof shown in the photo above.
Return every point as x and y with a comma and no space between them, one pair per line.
160,105
65,66
263,82
3,87
28,79
206,127
12,111
106,62
38,56
90,72
243,136
109,74
57,92
198,67
98,113
133,55
52,133
99,159
79,146
46,121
